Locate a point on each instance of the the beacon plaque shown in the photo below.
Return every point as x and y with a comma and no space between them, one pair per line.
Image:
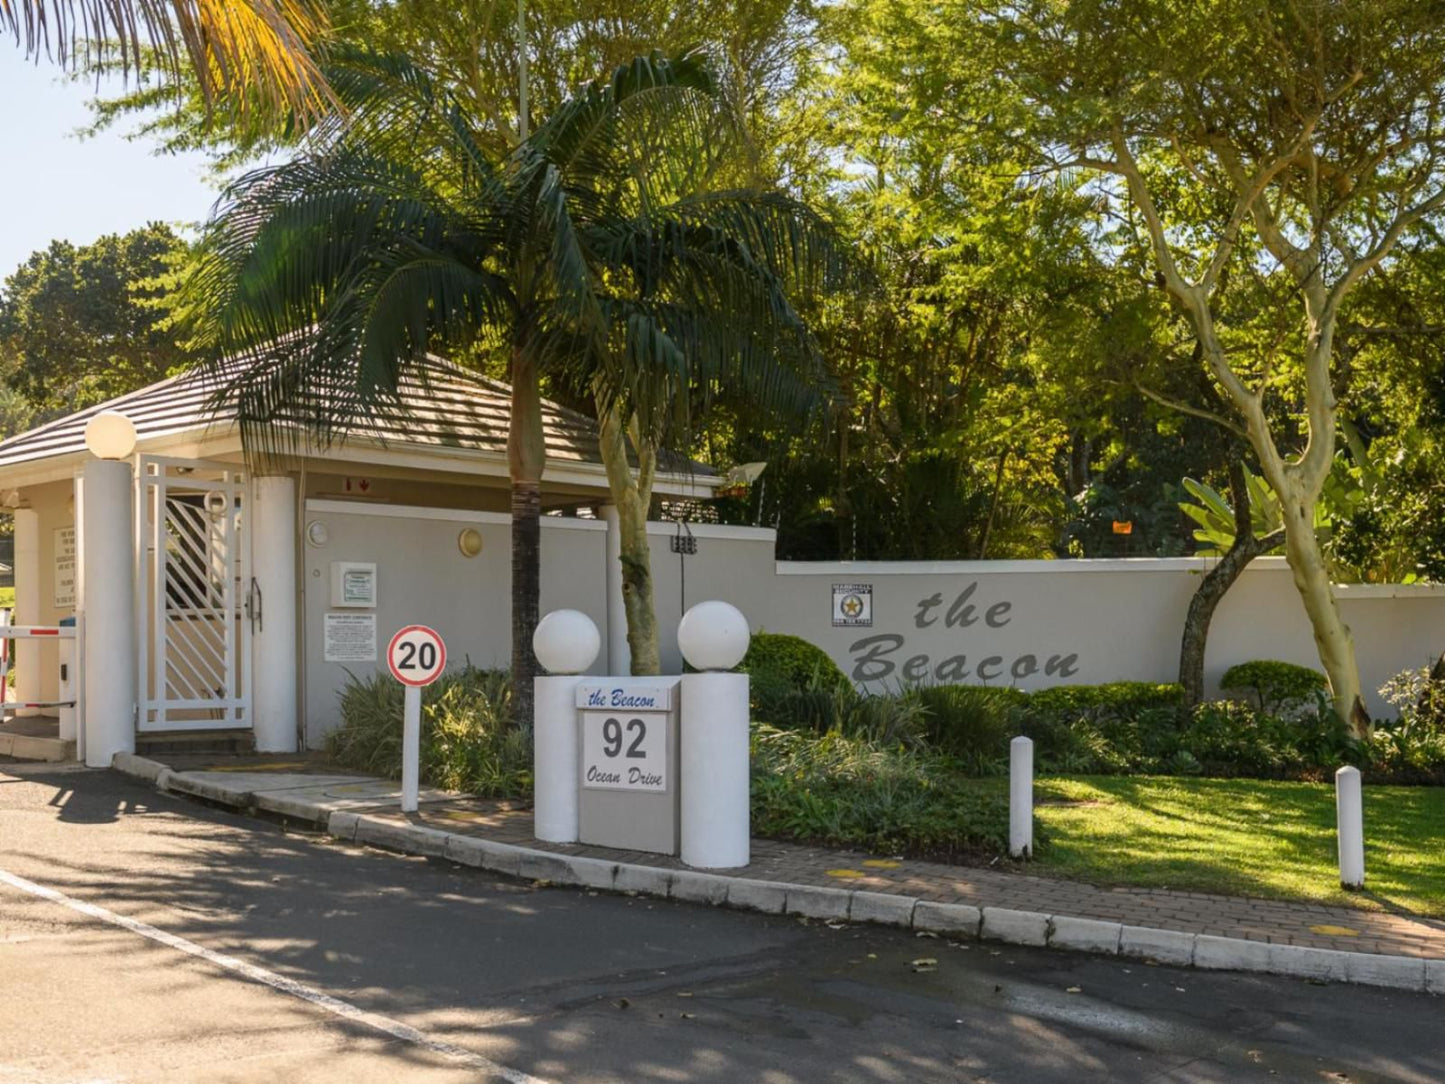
628,767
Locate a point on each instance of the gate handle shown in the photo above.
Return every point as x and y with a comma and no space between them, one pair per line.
254,607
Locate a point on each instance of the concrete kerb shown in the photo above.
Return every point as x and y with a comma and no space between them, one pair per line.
210,789
960,920
138,767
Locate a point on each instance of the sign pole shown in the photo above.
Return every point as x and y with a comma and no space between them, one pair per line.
410,748
416,657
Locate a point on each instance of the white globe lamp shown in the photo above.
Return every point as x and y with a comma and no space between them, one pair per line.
110,435
713,636
566,642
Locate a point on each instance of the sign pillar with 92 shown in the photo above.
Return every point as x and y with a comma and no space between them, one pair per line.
416,657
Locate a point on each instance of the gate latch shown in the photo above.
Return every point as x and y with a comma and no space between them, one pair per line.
253,607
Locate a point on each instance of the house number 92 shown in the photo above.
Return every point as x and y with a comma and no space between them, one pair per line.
612,738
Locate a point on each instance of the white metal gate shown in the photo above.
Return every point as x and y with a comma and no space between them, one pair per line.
193,584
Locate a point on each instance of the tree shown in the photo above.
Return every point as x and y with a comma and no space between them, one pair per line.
471,47
1294,145
323,279
81,324
256,53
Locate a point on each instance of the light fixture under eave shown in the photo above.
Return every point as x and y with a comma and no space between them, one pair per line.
110,435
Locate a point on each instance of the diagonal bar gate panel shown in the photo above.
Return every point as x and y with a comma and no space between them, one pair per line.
193,581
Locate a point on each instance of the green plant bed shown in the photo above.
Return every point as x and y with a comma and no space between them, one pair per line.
1242,837
468,742
840,791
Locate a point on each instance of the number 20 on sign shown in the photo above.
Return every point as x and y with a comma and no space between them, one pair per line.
416,657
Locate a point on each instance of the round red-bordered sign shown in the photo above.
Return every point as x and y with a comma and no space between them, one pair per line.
416,655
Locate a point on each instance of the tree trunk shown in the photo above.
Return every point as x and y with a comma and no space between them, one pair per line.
526,458
1332,636
632,496
1216,583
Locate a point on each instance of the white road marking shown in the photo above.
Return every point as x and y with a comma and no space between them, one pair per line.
333,1005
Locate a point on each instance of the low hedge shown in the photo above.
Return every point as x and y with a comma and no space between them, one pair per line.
835,790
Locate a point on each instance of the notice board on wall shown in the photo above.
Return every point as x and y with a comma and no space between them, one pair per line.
350,638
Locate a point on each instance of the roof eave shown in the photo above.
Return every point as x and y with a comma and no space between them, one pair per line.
211,441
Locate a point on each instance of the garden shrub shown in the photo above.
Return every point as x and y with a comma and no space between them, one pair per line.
1229,738
1277,686
1411,748
972,723
468,742
778,664
835,790
826,705
1122,698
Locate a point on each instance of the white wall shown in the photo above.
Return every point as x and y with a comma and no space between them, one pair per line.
1039,623
1032,623
423,578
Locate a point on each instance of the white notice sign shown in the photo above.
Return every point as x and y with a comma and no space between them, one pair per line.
350,638
623,750
65,568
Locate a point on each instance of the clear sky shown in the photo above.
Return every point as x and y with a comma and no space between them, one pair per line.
56,185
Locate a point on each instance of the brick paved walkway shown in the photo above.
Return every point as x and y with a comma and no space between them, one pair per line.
1273,921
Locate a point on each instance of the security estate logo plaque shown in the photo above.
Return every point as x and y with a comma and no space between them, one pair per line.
853,605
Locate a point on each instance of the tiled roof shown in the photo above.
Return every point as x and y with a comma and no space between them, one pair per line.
444,406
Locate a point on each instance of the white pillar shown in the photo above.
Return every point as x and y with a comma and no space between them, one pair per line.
714,816
27,605
1021,797
619,655
566,643
1350,826
713,822
273,641
554,772
110,617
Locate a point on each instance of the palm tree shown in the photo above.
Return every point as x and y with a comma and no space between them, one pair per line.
259,53
396,234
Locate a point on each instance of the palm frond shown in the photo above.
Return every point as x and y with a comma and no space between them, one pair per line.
260,53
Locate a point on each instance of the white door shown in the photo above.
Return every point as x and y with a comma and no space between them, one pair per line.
193,589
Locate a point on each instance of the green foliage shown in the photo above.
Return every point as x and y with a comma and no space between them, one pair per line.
1214,534
1124,698
972,723
824,706
1276,686
81,324
842,791
467,740
778,664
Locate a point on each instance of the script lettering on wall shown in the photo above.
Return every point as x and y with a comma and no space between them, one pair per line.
886,656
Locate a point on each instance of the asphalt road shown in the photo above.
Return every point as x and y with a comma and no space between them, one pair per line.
498,979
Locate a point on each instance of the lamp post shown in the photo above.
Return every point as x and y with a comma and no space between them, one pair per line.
107,608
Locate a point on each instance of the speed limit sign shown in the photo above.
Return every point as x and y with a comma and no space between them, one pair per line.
416,655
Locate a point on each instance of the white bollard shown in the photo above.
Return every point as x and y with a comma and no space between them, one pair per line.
1350,827
566,643
109,651
714,822
410,749
1021,797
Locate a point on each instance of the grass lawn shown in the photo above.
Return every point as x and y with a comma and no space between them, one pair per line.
1242,837
7,598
